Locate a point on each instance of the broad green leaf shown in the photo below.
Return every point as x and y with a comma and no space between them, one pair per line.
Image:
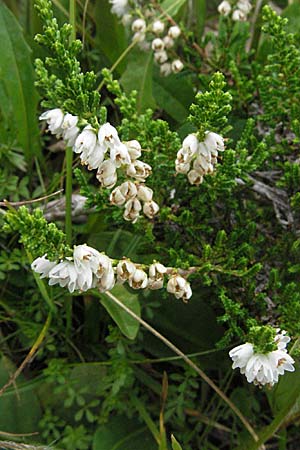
110,36
138,76
199,10
172,6
127,324
175,444
17,75
121,433
20,410
174,94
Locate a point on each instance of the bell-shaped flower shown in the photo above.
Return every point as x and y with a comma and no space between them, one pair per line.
161,56
106,174
244,6
119,155
64,274
190,145
214,141
150,209
138,26
156,276
42,266
108,136
174,32
195,177
202,165
86,141
177,66
134,149
132,210
180,287
139,279
123,193
69,129
54,119
144,193
165,69
93,159
86,257
158,27
139,170
168,42
125,270
157,45
239,16
119,7
224,8
107,281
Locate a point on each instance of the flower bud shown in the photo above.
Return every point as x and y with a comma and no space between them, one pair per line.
244,6
174,32
239,16
165,69
168,42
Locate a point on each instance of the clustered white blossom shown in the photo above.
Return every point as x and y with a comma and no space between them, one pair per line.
196,159
151,33
240,11
105,152
88,268
263,369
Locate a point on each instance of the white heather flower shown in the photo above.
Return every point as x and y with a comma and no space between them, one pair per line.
69,129
108,136
224,8
177,66
165,69
64,274
134,149
161,57
158,27
202,165
262,368
132,210
139,170
244,6
107,174
174,32
157,45
213,142
86,257
140,37
107,281
239,16
180,287
42,266
93,158
168,42
195,177
190,144
123,193
119,155
138,280
125,270
86,141
156,276
119,7
181,166
144,193
138,26
54,119
150,209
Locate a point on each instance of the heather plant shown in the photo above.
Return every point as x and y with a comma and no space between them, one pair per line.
150,238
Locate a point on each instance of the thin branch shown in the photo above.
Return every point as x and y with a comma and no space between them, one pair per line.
7,204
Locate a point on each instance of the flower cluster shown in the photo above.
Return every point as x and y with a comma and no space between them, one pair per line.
197,159
88,268
151,33
105,152
263,368
240,11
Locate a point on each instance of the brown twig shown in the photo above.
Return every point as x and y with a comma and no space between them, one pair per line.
7,204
